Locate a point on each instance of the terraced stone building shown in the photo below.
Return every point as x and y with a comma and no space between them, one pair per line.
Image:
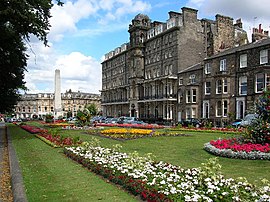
142,78
38,105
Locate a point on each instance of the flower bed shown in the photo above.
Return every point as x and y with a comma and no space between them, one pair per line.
232,149
126,125
58,140
210,130
130,133
32,129
59,124
125,133
159,181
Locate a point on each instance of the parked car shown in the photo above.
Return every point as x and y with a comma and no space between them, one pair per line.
10,120
236,123
138,123
73,120
98,119
111,120
248,120
124,119
191,122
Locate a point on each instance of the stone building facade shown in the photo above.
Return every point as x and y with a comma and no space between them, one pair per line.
233,80
140,78
190,92
38,105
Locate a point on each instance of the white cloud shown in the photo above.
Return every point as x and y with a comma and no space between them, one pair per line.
240,8
107,4
64,18
118,8
78,71
132,7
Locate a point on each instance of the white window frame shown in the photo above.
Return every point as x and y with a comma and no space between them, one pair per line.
223,65
180,96
188,96
181,81
207,87
192,79
170,69
264,56
207,68
219,86
206,107
225,108
238,110
217,108
191,97
242,84
194,95
261,82
225,86
243,61
193,112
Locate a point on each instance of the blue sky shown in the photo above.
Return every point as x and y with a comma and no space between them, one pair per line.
84,30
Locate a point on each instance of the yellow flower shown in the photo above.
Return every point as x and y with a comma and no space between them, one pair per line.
124,132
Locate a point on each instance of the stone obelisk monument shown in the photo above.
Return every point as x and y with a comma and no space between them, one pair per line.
57,95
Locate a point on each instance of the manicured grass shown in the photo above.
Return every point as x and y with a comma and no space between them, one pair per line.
185,151
50,176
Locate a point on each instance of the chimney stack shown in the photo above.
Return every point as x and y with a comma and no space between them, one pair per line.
259,34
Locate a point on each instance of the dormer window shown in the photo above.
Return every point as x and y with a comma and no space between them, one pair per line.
181,81
192,79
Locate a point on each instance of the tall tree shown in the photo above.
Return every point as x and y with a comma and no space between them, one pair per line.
19,19
92,109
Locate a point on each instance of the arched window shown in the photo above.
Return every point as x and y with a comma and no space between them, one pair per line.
142,38
206,109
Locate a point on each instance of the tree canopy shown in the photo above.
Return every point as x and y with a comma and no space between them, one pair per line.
92,109
19,19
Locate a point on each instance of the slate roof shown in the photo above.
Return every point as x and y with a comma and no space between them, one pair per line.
192,68
256,44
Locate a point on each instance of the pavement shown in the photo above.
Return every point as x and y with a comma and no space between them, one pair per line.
17,185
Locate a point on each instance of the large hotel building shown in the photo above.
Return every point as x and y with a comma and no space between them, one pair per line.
40,104
185,68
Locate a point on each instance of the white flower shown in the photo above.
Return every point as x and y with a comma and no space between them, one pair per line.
173,190
163,182
187,198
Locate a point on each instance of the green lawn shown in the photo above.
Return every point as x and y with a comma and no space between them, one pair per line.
49,175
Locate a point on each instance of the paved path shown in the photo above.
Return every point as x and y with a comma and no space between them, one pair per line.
18,190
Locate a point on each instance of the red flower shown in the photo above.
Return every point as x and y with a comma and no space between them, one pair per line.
235,146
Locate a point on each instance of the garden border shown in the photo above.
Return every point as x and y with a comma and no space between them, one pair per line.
228,153
17,184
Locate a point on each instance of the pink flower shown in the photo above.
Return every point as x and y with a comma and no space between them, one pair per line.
235,146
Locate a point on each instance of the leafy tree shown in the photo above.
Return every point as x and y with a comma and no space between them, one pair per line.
92,109
49,118
259,130
18,21
83,116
